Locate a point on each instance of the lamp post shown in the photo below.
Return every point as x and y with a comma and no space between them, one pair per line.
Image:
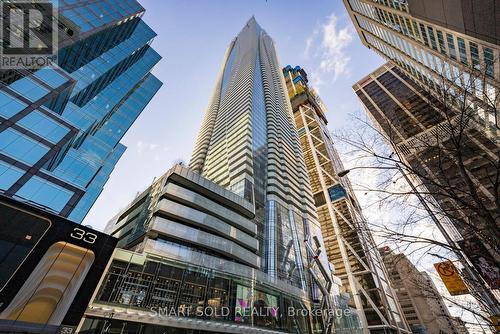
344,172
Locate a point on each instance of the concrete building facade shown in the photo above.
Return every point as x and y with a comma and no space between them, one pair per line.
423,305
348,241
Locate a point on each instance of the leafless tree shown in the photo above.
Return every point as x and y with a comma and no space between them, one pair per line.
453,164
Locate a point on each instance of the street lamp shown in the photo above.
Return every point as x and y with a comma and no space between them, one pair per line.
344,172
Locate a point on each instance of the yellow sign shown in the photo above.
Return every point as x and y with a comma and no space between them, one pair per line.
451,278
495,320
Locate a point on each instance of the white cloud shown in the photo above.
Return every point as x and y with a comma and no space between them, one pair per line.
326,47
144,146
151,151
309,42
335,41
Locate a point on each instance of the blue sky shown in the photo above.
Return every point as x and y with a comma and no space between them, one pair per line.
192,38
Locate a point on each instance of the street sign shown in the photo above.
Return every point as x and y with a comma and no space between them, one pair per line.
451,278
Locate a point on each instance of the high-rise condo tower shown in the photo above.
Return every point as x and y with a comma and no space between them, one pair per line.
237,231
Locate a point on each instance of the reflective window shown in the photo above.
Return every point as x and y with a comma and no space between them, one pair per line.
43,126
451,46
29,89
259,142
42,191
474,53
256,305
243,306
73,16
432,38
228,70
488,61
218,295
8,175
20,147
50,77
76,169
9,105
424,34
462,51
90,16
162,287
122,57
193,290
442,46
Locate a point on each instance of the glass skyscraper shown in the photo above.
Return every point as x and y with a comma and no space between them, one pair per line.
431,40
248,144
61,125
438,93
237,231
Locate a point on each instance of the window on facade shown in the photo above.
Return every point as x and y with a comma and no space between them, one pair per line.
8,175
488,61
267,306
410,29
21,147
442,46
9,105
415,30
43,126
379,15
46,193
424,34
50,77
451,46
193,290
29,89
249,301
392,20
401,24
432,38
474,53
218,295
462,51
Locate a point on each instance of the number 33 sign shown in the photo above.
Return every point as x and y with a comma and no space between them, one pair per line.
83,235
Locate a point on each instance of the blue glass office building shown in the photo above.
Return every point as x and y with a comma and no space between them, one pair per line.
60,126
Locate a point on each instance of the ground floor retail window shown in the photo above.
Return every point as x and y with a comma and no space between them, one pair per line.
166,290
